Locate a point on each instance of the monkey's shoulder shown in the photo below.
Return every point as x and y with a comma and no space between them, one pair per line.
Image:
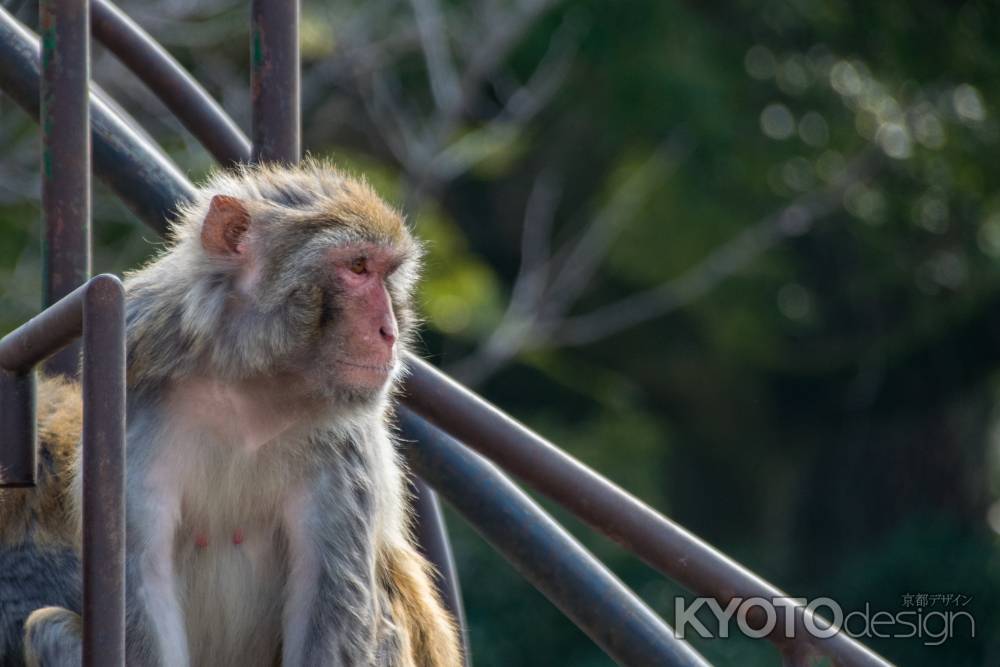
45,513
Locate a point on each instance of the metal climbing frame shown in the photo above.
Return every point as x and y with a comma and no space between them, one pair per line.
95,310
450,432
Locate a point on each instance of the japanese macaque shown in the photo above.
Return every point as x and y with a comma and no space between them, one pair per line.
267,512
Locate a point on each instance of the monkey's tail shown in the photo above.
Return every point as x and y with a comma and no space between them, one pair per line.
53,638
431,631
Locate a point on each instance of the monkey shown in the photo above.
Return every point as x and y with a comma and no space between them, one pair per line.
267,513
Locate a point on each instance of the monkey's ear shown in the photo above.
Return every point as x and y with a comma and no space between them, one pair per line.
225,226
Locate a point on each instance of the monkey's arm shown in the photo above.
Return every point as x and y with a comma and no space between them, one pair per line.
155,631
329,616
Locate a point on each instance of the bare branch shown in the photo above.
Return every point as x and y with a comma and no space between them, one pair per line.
580,259
734,255
393,122
532,329
518,323
434,43
525,101
500,39
538,299
539,216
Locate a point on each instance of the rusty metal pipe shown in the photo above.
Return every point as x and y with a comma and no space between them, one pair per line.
97,310
274,80
44,334
20,351
184,96
103,470
542,551
65,29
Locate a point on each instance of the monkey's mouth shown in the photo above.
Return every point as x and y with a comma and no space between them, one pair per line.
370,373
384,368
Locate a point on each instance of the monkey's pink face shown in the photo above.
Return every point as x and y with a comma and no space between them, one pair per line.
362,347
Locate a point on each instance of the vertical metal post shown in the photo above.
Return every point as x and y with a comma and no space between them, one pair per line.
64,97
274,80
432,536
104,473
17,420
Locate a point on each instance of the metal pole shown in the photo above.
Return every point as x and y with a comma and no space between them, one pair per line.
97,309
542,552
64,93
104,473
18,447
274,80
432,538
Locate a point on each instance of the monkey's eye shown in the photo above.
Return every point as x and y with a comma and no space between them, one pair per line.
359,265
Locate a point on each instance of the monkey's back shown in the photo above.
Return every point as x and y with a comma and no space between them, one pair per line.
39,562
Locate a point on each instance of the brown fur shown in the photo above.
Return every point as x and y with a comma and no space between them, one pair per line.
46,513
428,632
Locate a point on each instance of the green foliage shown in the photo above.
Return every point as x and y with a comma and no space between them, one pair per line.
460,293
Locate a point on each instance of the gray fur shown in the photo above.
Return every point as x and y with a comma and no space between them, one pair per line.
52,638
32,577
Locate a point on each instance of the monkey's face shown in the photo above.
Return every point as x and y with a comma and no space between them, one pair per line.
321,303
357,351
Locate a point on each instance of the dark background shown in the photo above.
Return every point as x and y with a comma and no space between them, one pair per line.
804,195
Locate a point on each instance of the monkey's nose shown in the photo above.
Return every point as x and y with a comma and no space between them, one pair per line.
388,333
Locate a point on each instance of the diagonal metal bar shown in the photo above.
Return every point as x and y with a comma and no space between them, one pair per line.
126,162
543,552
184,96
660,542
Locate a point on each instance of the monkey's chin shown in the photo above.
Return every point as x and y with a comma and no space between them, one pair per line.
363,378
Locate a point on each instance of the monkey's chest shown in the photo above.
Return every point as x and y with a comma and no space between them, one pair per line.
231,572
